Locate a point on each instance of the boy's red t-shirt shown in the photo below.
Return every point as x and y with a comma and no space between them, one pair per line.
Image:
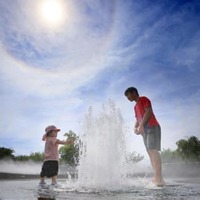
142,103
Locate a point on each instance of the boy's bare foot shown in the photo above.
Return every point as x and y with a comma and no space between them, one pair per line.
158,182
153,180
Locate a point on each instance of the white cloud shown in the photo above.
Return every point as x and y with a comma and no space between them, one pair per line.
103,61
50,62
43,82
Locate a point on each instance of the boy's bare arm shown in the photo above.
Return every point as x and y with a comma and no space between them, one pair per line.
147,116
136,127
136,124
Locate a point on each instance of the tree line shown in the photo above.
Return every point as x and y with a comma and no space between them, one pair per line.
188,150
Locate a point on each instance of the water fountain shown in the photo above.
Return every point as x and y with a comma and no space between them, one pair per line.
102,151
103,168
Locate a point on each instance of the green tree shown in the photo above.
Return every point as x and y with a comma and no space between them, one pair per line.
37,156
169,156
189,149
70,153
134,157
22,158
6,153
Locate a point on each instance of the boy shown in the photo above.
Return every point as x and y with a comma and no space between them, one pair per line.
147,126
51,155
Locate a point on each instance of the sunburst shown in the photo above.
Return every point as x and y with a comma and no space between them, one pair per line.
52,12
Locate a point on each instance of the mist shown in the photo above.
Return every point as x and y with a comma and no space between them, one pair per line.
19,167
181,169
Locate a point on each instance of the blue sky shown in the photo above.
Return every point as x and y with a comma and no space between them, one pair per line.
52,73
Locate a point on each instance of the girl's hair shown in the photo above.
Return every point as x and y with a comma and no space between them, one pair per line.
131,90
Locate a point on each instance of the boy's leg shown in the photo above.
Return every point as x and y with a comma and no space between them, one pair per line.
152,141
157,166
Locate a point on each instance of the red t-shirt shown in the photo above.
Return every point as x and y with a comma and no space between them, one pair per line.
142,103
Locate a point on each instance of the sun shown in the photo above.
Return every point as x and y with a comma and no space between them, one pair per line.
52,12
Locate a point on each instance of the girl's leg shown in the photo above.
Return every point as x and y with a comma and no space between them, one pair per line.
54,180
42,179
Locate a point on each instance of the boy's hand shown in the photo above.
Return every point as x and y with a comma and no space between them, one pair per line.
139,130
136,131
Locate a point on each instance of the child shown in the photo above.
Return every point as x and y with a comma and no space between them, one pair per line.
148,126
51,156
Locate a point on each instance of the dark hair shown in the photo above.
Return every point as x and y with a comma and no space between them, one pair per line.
131,90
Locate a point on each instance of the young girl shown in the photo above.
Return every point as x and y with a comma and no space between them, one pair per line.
51,155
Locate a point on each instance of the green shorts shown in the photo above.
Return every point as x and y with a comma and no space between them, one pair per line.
152,138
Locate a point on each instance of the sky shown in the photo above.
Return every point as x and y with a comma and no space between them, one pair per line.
58,58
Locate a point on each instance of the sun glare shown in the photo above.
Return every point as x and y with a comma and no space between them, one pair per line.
52,11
